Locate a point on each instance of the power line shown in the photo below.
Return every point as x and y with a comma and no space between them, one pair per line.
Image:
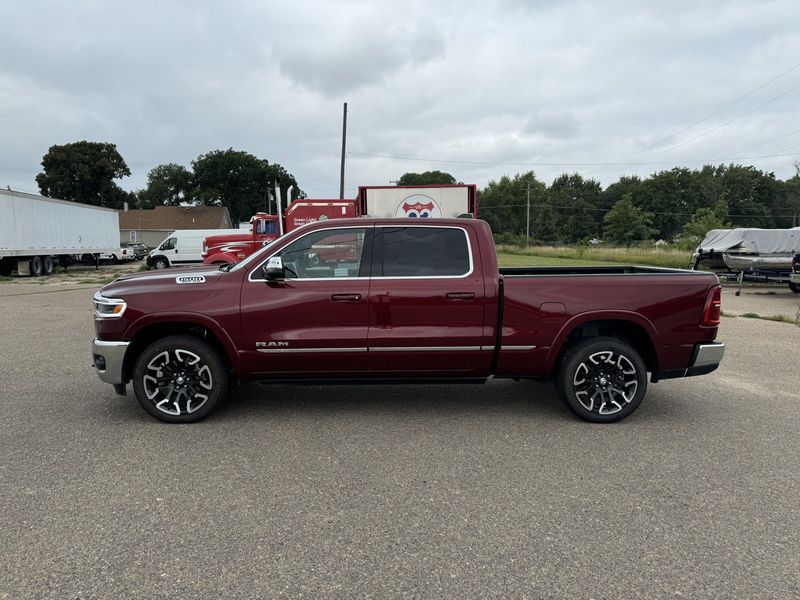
791,133
677,214
714,113
564,164
719,110
728,122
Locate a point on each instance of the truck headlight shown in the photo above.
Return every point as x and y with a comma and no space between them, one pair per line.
108,308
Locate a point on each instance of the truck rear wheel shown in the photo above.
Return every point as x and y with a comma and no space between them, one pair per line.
602,380
35,266
795,287
48,265
179,379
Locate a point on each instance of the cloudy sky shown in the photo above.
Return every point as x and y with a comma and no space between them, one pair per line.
478,89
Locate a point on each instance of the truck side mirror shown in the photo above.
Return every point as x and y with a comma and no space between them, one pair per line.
273,269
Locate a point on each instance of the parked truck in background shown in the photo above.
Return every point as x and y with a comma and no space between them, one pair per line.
418,201
231,248
414,300
37,232
415,201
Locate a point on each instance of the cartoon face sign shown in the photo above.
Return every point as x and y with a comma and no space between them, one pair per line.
418,206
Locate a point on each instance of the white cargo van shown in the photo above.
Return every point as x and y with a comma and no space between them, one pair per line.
183,247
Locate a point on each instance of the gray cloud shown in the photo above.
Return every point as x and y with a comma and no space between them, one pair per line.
506,82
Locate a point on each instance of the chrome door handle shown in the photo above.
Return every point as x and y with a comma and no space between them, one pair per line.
346,297
460,295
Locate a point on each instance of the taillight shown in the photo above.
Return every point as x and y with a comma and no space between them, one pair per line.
713,308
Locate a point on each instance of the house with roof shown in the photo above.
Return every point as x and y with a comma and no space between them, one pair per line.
151,226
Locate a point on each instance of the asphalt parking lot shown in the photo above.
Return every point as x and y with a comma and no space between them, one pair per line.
400,491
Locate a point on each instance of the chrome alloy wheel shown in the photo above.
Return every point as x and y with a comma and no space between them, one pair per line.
177,382
605,383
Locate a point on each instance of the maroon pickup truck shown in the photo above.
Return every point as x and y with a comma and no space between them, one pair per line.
388,300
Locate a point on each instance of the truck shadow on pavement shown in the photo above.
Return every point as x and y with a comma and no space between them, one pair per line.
524,398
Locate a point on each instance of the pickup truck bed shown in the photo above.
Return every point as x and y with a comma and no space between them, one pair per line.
389,299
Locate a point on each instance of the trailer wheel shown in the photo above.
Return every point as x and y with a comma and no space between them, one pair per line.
48,265
179,379
5,268
160,263
602,380
35,266
794,287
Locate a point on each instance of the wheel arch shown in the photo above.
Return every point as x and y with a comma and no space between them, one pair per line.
629,327
152,260
154,327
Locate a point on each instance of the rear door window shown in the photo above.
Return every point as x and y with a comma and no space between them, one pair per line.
423,252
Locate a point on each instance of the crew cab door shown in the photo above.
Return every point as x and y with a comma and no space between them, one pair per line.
426,301
314,321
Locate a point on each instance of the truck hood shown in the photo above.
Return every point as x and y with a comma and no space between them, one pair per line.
214,240
182,279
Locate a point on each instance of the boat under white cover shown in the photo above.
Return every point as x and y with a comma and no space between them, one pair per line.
749,250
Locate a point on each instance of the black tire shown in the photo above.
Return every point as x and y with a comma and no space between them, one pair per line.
35,266
6,267
161,263
602,380
48,265
794,287
161,366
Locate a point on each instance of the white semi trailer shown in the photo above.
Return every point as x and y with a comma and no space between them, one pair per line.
36,232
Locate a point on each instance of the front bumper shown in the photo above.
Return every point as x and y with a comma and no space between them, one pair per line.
108,358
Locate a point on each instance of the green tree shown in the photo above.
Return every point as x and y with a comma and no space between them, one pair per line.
786,210
543,224
704,220
671,197
239,181
576,203
427,178
503,203
84,172
626,223
168,184
627,184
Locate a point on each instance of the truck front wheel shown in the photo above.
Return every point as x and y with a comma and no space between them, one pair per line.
179,379
602,379
160,263
795,287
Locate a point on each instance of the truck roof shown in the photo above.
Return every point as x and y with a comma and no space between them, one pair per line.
398,221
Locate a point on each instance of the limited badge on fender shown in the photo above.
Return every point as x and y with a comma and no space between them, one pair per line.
190,279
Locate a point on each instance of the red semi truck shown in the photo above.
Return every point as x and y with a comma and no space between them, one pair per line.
402,299
415,201
231,248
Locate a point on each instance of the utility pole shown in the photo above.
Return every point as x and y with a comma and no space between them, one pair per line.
528,226
344,147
